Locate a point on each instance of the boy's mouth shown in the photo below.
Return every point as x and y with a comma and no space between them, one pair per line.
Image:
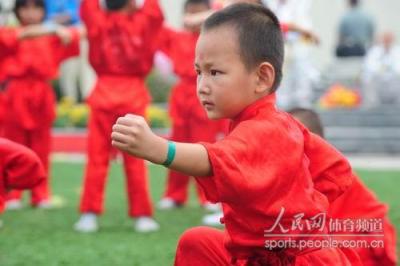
207,104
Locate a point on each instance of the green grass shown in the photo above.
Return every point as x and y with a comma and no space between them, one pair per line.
37,237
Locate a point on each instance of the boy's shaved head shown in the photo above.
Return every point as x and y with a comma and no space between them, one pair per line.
309,118
259,35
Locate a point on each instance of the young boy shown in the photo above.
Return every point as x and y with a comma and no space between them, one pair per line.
20,168
121,43
358,202
29,65
259,172
189,120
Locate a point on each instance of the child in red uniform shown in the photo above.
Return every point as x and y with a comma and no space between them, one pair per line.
358,202
30,64
121,50
189,120
260,168
20,168
8,38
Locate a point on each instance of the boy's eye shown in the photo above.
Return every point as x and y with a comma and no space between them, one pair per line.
198,72
214,72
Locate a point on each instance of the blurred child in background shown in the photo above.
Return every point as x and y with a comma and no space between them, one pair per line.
121,48
358,202
20,168
381,73
189,119
28,66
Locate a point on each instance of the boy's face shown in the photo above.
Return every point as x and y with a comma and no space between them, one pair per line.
31,14
224,86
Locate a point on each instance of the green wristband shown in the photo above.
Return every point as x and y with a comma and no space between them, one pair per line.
170,154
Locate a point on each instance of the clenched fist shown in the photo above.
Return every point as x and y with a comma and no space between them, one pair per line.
132,134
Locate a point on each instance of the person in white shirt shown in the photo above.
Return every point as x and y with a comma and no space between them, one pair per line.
299,73
381,73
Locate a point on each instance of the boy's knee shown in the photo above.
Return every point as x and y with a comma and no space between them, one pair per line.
200,246
198,237
190,238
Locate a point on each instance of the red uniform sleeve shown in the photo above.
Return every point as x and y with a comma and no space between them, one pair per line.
64,51
8,39
151,20
152,11
241,167
21,167
166,40
227,160
364,203
92,15
330,170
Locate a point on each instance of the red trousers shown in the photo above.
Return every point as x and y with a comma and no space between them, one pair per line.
192,131
99,151
38,140
204,246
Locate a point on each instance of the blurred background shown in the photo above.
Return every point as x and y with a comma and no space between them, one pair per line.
325,16
355,91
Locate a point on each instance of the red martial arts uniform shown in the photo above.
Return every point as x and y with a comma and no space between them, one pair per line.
121,52
20,168
2,110
8,38
2,103
258,169
359,202
189,119
30,66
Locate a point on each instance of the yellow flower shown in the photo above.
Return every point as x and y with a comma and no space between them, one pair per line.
157,116
78,114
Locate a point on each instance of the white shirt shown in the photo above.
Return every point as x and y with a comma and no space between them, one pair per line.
380,61
292,11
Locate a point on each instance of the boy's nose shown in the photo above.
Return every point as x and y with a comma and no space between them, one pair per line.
202,86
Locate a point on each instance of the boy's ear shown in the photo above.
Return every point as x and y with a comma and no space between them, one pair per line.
266,77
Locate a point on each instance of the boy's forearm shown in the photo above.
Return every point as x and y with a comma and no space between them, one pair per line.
190,159
132,134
